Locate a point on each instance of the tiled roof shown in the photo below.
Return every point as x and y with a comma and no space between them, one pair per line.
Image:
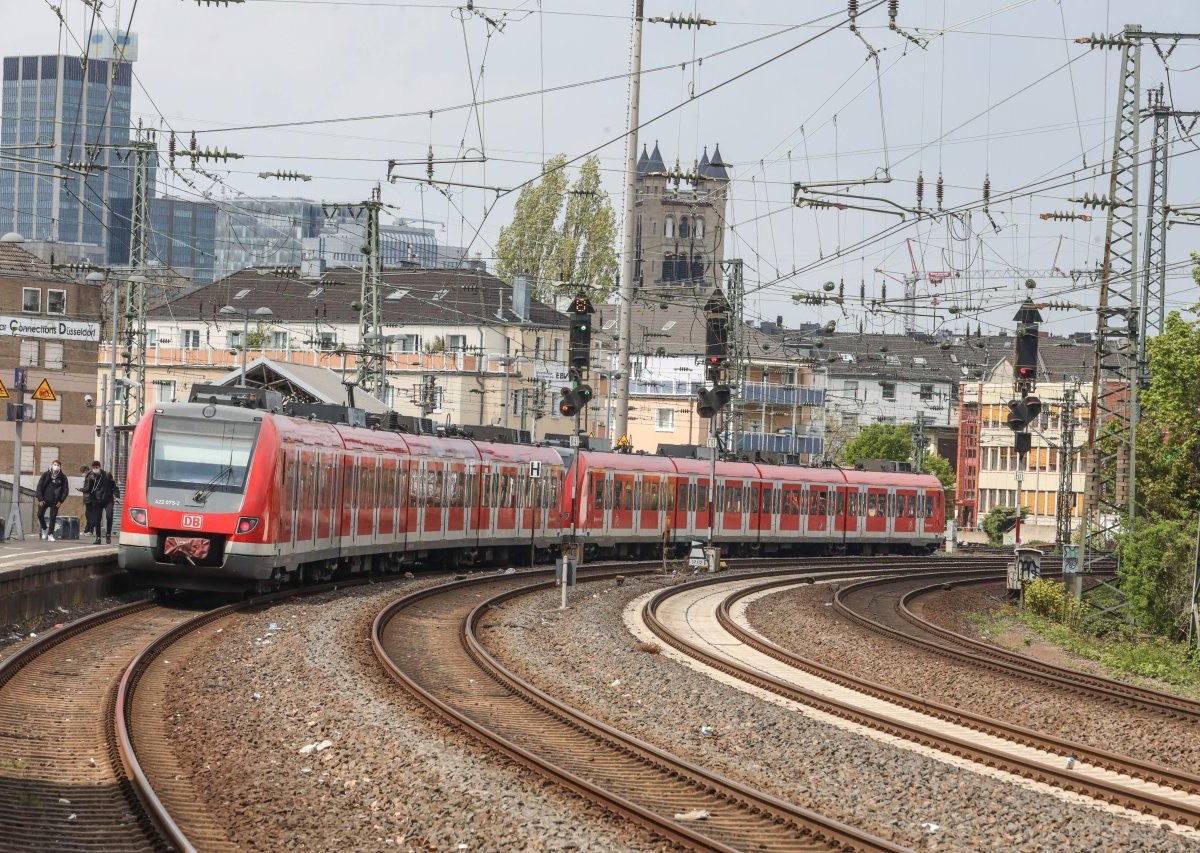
946,359
677,328
17,263
410,297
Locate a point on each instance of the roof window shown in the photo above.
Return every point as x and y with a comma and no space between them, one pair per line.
920,361
441,294
847,357
397,294
668,326
315,292
608,325
893,360
241,294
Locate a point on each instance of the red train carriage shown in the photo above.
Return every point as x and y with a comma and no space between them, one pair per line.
222,496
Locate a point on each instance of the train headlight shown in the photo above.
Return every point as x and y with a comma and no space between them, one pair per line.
137,516
246,524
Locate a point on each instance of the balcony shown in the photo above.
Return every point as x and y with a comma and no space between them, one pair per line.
811,445
783,395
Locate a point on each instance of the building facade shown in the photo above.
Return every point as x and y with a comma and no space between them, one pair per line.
680,222
49,327
990,470
57,111
462,348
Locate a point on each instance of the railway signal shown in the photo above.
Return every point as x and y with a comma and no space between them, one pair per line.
574,399
581,331
710,401
1025,360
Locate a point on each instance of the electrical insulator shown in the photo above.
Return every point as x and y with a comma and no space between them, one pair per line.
893,11
920,190
883,293
841,289
941,190
429,162
171,149
862,291
192,144
987,192
852,13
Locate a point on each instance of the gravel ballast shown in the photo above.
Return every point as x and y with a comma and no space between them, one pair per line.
586,656
802,620
393,776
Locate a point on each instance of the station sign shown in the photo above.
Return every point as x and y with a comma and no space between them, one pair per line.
28,327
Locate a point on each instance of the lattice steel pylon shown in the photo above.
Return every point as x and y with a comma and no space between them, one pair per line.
1112,464
1154,279
1066,467
145,152
735,377
372,364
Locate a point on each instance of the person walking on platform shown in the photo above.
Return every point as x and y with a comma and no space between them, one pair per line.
52,490
85,471
100,491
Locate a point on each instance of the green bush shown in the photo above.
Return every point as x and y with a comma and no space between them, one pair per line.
1049,599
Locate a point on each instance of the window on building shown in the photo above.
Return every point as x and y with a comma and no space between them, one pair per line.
409,343
669,227
684,228
29,353
26,458
191,338
31,300
893,360
537,349
850,387
664,420
152,337
164,390
327,341
54,356
233,340
456,343
47,453
279,340
56,302
926,392
889,390
556,347
698,223
51,411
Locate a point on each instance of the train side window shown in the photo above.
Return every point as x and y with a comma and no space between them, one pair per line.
598,490
638,493
852,504
822,502
871,509
841,502
912,505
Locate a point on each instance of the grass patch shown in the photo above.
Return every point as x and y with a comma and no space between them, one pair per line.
1122,655
12,764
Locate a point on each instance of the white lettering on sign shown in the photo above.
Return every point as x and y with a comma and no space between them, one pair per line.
193,522
26,327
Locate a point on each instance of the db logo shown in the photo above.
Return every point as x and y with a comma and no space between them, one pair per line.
193,522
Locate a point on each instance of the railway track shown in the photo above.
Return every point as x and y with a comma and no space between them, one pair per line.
885,606
1147,788
86,758
427,641
62,784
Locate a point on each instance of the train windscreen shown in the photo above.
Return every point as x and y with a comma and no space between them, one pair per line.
207,455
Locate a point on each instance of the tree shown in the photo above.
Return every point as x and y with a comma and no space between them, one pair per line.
879,441
1156,574
561,245
1000,520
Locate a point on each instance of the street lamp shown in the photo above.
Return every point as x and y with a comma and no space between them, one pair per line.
245,314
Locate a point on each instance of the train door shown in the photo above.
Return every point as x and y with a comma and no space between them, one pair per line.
456,500
620,517
649,518
287,490
435,502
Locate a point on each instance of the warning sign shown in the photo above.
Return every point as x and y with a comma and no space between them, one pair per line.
44,392
4,395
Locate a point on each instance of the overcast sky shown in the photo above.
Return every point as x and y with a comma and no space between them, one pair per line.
983,87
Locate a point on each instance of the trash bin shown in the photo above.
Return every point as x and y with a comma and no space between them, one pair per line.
66,527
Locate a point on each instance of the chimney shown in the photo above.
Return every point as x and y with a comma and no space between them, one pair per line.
520,296
312,265
779,320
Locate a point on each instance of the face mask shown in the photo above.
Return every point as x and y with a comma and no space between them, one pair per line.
95,470
55,468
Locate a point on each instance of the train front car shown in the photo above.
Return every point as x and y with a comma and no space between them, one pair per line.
198,498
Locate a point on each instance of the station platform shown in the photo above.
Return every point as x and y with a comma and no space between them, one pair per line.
36,575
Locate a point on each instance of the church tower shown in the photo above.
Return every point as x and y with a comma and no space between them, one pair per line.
680,224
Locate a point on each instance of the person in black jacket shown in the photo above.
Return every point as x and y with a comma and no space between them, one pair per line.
99,492
52,491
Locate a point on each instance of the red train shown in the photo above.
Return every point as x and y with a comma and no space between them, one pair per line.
222,496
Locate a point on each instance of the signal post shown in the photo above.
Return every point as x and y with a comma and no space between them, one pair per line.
573,403
710,401
1025,408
